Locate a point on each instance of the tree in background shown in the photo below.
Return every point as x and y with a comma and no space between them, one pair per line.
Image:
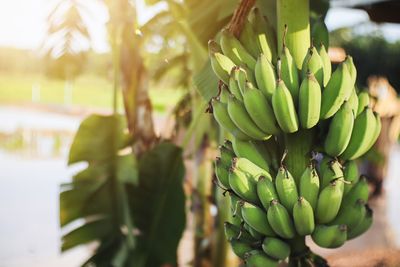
67,43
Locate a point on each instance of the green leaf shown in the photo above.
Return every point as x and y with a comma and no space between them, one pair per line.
97,139
127,169
158,205
206,82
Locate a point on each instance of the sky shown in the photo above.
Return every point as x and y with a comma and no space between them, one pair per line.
23,22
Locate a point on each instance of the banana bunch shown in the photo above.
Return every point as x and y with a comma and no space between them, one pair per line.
267,104
264,94
271,208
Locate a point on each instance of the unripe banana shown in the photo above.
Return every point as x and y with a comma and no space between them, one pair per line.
332,236
221,64
250,151
233,232
313,63
320,33
329,202
280,221
257,258
226,155
249,73
351,175
363,226
237,112
240,248
359,191
256,235
241,78
353,101
362,135
236,209
266,191
233,85
256,218
351,215
276,248
244,185
260,110
332,172
247,38
284,109
326,63
232,48
309,186
249,168
336,91
363,101
289,73
340,129
224,94
286,188
266,38
265,76
352,69
222,173
309,102
377,131
303,217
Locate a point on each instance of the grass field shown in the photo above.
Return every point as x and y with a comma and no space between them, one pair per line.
89,91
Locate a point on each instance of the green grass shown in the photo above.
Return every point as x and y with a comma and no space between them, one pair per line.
89,91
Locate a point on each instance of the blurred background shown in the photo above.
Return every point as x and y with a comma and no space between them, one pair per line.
62,60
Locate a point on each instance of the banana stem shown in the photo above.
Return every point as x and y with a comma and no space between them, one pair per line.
296,15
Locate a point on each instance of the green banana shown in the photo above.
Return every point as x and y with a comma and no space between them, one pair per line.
289,72
351,215
266,191
250,168
235,208
233,85
353,101
336,91
362,135
221,115
284,109
351,175
359,191
303,217
237,112
222,173
266,39
329,202
363,226
233,232
256,235
286,188
224,93
352,69
257,258
280,221
333,172
260,110
249,73
340,129
244,185
240,248
377,131
319,33
250,151
232,48
363,101
332,236
309,101
240,76
247,37
226,155
221,64
276,248
326,63
309,185
265,76
256,218
313,63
